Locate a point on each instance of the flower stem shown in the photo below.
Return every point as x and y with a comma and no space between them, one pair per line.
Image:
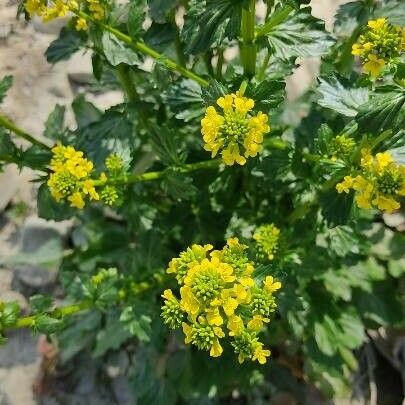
142,47
148,176
248,46
29,321
4,122
122,72
276,18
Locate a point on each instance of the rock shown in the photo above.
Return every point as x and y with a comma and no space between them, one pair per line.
21,349
8,185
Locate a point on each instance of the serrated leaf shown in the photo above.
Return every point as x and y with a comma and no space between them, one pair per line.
384,110
159,8
184,99
325,335
350,15
160,36
112,133
343,240
299,34
136,16
48,208
337,97
117,52
54,123
85,112
267,94
336,208
5,83
179,185
47,325
212,92
392,10
209,22
62,48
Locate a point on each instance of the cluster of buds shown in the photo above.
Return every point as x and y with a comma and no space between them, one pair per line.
220,299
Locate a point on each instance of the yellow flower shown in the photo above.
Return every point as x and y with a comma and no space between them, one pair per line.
374,66
377,24
363,201
260,354
237,133
235,325
214,317
76,200
257,323
383,160
81,24
88,188
345,185
386,204
357,49
270,285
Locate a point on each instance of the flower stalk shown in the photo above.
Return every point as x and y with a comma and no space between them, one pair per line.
142,47
247,45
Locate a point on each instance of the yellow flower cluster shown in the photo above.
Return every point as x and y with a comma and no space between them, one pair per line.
237,133
380,183
267,238
220,297
72,179
60,8
379,45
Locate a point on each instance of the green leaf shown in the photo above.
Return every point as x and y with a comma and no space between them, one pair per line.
9,312
159,8
350,16
35,157
48,208
326,335
300,34
340,96
117,52
267,94
336,208
47,325
166,144
137,324
65,46
353,334
136,17
112,133
384,110
5,83
179,185
160,36
212,92
209,22
54,123
85,112
343,240
184,99
393,10
40,303
111,337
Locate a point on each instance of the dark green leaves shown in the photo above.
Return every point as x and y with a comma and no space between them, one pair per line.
338,96
209,22
159,8
117,52
267,94
299,34
5,85
385,110
62,48
54,123
136,16
336,208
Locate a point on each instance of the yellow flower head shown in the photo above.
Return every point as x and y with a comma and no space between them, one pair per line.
380,185
218,293
380,44
236,132
267,238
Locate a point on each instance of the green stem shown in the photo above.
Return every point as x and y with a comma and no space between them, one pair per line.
149,176
248,46
29,321
262,72
277,18
4,122
142,47
220,63
122,72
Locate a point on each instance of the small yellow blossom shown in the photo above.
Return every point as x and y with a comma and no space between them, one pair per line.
236,132
374,66
267,238
345,185
81,24
76,200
